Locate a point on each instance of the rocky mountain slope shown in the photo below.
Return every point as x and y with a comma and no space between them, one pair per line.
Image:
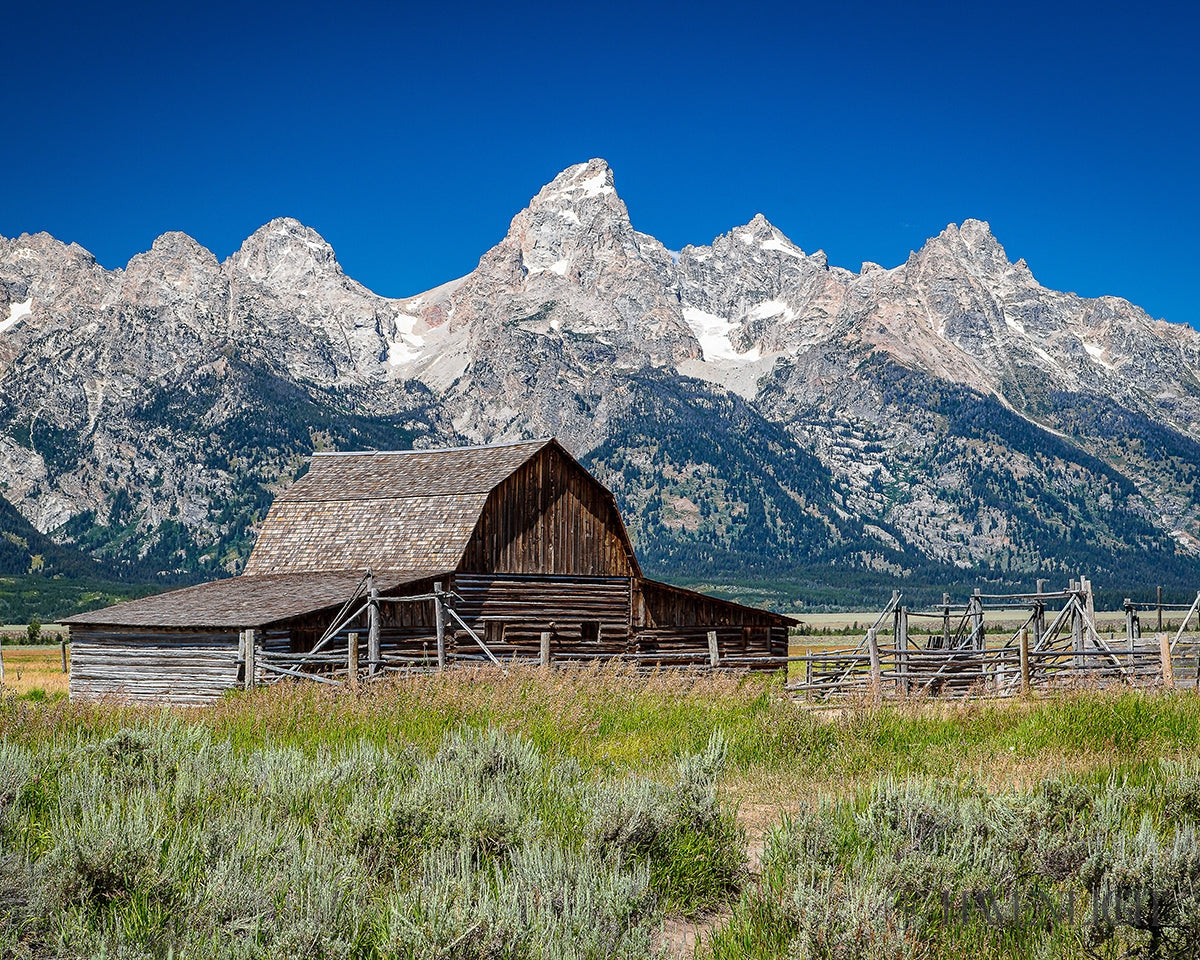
760,414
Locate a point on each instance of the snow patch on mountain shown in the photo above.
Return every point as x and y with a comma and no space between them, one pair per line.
594,186
16,313
1096,352
405,347
713,333
771,308
779,246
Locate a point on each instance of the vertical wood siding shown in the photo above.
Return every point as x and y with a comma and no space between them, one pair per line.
550,517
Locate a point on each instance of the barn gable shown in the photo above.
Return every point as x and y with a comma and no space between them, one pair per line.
550,516
512,508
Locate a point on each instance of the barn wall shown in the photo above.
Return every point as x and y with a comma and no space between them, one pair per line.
142,663
670,619
550,517
406,630
510,613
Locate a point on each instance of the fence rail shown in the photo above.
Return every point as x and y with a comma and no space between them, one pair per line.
1057,644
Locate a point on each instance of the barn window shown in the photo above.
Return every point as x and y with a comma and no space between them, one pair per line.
589,631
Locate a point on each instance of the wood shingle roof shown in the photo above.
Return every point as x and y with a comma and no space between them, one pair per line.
410,510
244,602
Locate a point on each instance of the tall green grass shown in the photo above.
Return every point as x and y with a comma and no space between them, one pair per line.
923,867
613,720
160,841
547,814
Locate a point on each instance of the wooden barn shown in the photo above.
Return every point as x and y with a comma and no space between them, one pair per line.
504,552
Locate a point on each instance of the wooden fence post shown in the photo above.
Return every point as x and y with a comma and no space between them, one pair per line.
977,636
1160,608
1025,661
1164,653
714,654
439,619
250,656
241,658
62,647
945,621
876,670
352,660
1,659
545,647
373,652
1077,624
895,618
1129,624
1091,637
1040,627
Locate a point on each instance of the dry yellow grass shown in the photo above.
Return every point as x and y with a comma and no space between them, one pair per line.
1108,620
30,668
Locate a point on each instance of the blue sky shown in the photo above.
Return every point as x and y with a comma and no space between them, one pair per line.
409,135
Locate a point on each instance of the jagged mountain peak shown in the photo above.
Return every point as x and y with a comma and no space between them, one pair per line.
286,250
579,196
591,179
764,235
285,228
972,240
759,225
42,244
175,270
967,251
178,245
574,227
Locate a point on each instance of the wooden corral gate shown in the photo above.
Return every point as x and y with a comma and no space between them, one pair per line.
1058,644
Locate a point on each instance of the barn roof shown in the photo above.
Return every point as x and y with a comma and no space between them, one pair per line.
410,509
245,601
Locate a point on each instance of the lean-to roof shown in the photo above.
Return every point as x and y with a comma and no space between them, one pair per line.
244,602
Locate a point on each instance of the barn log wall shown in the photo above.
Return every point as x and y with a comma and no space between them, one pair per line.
550,517
167,666
407,629
511,612
735,645
673,620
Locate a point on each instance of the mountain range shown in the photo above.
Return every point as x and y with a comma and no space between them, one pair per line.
774,427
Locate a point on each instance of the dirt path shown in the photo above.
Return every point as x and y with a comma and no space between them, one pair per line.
677,939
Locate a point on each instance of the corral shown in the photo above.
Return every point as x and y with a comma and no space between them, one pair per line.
1057,642
391,561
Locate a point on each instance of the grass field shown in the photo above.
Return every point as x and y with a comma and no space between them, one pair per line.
37,668
583,813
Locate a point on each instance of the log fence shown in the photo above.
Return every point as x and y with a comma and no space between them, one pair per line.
1057,644
943,652
356,645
